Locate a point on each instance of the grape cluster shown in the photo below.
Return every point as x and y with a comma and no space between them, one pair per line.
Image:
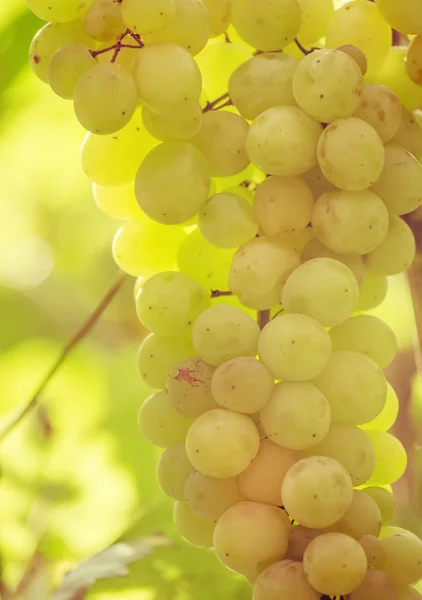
264,157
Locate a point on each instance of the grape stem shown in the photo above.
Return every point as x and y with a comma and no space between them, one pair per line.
219,293
263,318
118,45
214,104
304,50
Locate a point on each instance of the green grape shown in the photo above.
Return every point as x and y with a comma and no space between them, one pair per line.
335,564
194,529
227,221
117,202
224,332
211,497
317,491
409,134
316,16
147,16
283,206
219,12
351,447
268,24
385,502
189,387
300,539
261,480
110,81
180,127
351,154
322,288
190,27
221,443
263,82
217,62
158,355
317,181
389,530
168,303
403,558
373,290
250,536
66,66
363,517
173,469
357,55
168,79
283,580
294,347
315,249
327,85
172,182
400,184
387,417
51,38
376,585
125,57
144,247
259,270
299,242
380,108
360,24
246,192
103,21
283,141
59,11
396,252
242,384
355,386
373,550
405,16
391,458
161,423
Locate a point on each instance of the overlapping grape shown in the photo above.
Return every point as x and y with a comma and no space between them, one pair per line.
253,174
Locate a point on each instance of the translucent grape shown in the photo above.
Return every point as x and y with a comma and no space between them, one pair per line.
219,11
376,585
221,443
380,108
389,530
396,252
405,17
409,134
363,517
316,16
189,387
147,16
224,332
403,558
299,242
373,290
300,539
59,11
317,491
172,182
357,55
66,66
117,202
157,356
161,423
385,502
314,249
173,469
180,127
283,580
373,550
103,21
211,497
217,62
351,154
195,529
391,459
283,141
317,181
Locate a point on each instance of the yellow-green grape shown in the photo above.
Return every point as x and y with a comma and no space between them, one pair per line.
376,585
110,81
227,221
389,530
111,160
315,249
351,154
405,16
359,23
173,469
283,206
158,355
396,252
263,82
294,347
147,16
268,24
391,458
351,223
299,242
125,57
335,564
66,66
49,39
161,423
144,247
189,387
168,303
297,415
168,79
180,127
357,55
217,62
300,539
327,85
59,11
283,141
194,529
172,182
103,21
246,192
363,517
284,580
414,60
407,593
221,443
219,12
380,108
261,480
355,386
409,134
117,202
249,536
211,497
374,552
316,16
400,183
317,491
385,501
403,558
259,271
351,447
322,288
387,417
317,181
373,290
190,27
224,332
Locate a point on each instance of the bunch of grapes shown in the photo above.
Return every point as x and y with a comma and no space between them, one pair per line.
265,158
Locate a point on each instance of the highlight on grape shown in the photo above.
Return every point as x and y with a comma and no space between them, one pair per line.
264,160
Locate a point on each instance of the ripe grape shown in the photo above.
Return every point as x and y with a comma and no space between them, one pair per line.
376,585
211,497
173,469
373,550
195,529
147,16
316,16
161,423
59,11
182,126
282,581
409,134
103,21
117,202
300,539
403,558
396,252
405,16
373,290
380,108
66,66
315,249
390,458
363,517
189,387
157,356
385,501
219,12
218,61
357,55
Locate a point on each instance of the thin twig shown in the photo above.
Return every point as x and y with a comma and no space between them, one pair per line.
218,293
304,50
35,564
263,318
74,341
214,103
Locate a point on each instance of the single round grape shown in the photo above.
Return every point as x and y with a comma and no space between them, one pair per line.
357,55
59,11
363,517
182,126
211,497
317,181
315,249
403,558
381,108
396,252
158,355
66,66
147,16
300,539
103,21
316,16
283,580
373,550
385,502
409,134
173,469
161,423
189,387
219,12
390,458
117,202
387,417
405,17
373,290
376,585
195,529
